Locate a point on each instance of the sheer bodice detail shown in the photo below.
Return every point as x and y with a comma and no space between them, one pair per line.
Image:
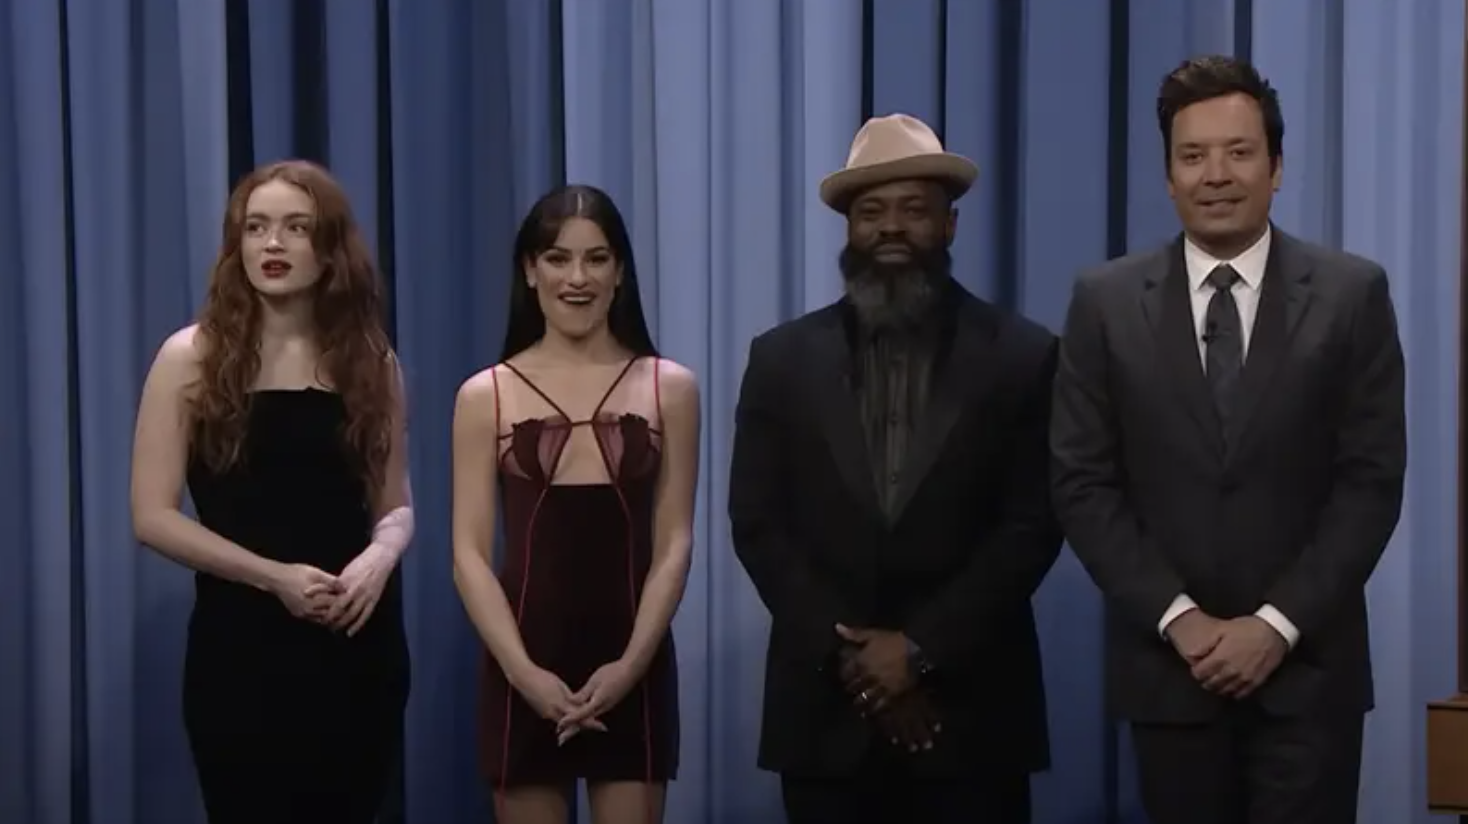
535,449
577,495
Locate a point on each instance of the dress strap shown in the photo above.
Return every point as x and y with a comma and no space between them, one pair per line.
537,390
494,378
657,392
610,389
606,396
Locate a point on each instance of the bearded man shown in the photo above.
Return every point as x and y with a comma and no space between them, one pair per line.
889,499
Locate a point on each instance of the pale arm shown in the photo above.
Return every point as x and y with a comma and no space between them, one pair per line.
673,509
368,573
159,462
393,503
475,457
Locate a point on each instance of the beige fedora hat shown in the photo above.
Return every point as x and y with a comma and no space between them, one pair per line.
896,147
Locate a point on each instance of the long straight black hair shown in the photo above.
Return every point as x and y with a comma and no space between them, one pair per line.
538,233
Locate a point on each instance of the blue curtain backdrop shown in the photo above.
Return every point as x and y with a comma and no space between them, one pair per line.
123,123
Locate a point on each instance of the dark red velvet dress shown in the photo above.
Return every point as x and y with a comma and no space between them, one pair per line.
575,559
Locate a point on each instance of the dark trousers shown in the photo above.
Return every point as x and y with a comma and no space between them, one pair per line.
1251,768
885,791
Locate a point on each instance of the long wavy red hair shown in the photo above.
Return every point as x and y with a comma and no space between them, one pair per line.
347,308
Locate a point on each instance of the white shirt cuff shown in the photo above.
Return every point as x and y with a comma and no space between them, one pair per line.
1180,605
1281,624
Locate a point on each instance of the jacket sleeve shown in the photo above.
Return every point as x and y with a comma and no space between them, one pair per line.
801,604
1365,500
1007,568
1087,478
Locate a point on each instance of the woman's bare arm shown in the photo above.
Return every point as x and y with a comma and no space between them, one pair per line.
475,459
673,510
393,503
160,458
397,486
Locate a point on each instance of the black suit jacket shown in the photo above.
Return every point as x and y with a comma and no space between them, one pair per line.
955,567
1295,513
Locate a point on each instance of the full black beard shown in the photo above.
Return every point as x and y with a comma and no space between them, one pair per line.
894,298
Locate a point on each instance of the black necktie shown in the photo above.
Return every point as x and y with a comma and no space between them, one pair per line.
1224,339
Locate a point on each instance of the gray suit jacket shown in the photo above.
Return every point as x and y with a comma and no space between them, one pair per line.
1294,513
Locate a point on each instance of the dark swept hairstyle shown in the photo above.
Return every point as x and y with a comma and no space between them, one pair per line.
347,310
538,233
1212,76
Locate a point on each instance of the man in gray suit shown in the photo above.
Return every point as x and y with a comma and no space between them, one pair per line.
1229,448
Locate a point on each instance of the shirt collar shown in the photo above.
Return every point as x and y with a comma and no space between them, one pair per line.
1249,264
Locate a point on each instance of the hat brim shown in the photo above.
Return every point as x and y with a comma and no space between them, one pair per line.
956,172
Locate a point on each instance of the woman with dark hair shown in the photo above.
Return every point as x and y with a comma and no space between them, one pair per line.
282,409
590,440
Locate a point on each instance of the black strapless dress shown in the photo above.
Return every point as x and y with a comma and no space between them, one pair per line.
289,721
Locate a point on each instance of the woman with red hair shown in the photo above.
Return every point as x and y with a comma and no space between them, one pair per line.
282,409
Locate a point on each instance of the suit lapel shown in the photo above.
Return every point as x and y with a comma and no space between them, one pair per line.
840,417
966,371
1167,304
1283,299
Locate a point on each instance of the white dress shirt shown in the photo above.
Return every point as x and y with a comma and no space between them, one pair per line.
1250,266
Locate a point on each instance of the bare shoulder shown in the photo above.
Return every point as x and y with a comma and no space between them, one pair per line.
477,392
178,358
678,385
183,346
